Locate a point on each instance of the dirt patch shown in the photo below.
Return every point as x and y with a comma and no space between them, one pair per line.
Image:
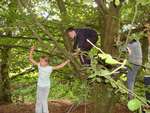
120,108
58,106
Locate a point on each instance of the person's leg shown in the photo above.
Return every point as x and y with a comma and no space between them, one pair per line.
129,81
81,59
45,99
85,60
136,70
38,106
132,72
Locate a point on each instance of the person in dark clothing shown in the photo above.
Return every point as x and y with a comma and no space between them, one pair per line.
80,36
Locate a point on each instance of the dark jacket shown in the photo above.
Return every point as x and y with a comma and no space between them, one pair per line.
82,35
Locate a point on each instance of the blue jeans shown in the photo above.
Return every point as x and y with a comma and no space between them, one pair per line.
131,76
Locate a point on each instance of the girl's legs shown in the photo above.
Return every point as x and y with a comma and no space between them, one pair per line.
45,99
42,100
38,106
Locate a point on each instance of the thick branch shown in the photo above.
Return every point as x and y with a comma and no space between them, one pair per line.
24,47
25,38
62,7
102,5
29,70
64,18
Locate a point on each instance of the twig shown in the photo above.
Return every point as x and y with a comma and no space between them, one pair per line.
94,45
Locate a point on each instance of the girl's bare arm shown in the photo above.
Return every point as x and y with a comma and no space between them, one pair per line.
31,56
61,65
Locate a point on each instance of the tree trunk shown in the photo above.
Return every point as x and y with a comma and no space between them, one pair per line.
109,33
5,94
109,24
64,23
67,41
149,46
144,43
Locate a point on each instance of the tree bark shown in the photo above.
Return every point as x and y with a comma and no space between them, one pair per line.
144,43
109,24
64,23
5,94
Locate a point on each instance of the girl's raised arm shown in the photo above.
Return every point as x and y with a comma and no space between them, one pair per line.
60,65
31,56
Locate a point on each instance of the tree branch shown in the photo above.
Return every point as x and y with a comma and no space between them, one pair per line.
42,27
102,5
24,47
25,38
29,70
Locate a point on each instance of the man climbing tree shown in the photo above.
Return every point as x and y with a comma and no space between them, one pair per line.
80,36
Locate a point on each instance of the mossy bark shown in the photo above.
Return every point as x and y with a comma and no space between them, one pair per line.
5,93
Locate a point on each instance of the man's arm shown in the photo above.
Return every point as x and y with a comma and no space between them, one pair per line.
60,65
31,56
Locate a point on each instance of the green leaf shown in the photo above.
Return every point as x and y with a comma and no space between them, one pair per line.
98,80
134,104
113,85
104,56
117,2
108,59
127,1
143,2
121,86
123,77
104,73
111,61
100,73
92,76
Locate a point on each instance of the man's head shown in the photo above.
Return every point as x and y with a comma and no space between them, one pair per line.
44,61
70,32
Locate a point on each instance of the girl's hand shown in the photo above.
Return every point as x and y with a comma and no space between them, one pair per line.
31,57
